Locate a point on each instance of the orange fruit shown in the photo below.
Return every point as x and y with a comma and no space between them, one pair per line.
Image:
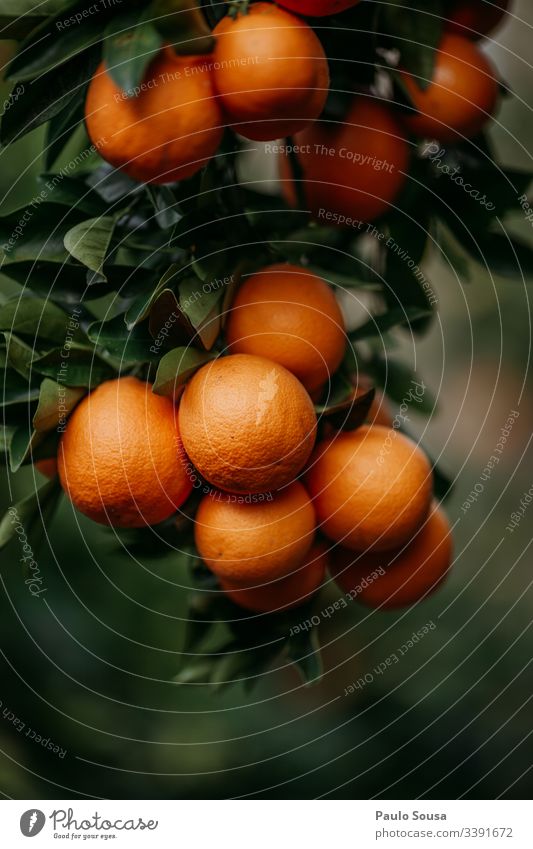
270,72
284,593
120,458
461,96
291,316
411,573
168,131
247,423
317,8
352,170
371,488
47,467
242,539
475,18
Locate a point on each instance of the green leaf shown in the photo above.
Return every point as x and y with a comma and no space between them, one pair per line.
407,288
128,346
82,368
68,283
89,242
18,355
380,324
33,514
39,8
24,440
199,622
71,191
183,24
131,42
140,308
6,435
20,17
200,302
304,651
470,180
452,252
168,326
49,47
416,31
401,383
502,253
60,128
56,402
165,206
349,413
505,255
38,318
176,368
14,388
195,672
112,184
243,666
36,232
47,96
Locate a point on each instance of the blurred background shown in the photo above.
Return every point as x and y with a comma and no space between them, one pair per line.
91,670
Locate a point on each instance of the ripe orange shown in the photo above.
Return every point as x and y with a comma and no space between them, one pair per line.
270,71
168,131
371,488
411,573
255,541
291,591
475,18
317,8
48,467
289,315
460,98
120,457
352,170
247,423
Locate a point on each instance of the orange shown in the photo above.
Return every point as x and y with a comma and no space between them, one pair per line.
352,170
270,71
289,315
48,467
120,458
242,539
461,96
247,424
411,573
291,591
371,488
166,133
475,18
317,8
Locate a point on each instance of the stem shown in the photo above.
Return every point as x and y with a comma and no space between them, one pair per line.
297,172
238,7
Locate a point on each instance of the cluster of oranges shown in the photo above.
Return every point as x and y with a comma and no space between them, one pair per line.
278,507
268,78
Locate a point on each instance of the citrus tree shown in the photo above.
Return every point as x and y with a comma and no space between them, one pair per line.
156,245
